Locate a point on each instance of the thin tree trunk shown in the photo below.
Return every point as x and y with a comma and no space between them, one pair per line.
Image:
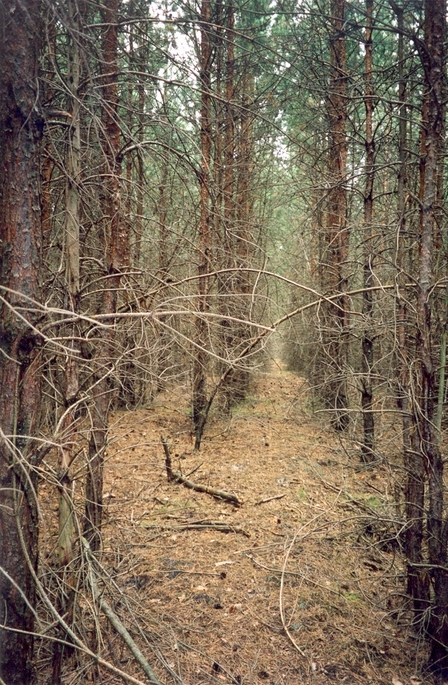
337,238
229,127
140,179
200,355
117,254
66,534
21,129
442,373
433,58
417,577
47,165
367,309
217,204
241,230
164,353
237,210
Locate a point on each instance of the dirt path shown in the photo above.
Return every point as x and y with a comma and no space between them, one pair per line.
300,590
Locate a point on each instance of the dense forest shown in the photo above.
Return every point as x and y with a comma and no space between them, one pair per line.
187,190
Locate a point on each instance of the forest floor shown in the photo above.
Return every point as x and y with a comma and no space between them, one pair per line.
303,583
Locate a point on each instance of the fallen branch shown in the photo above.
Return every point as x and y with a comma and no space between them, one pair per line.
124,633
220,494
205,525
270,499
116,623
179,478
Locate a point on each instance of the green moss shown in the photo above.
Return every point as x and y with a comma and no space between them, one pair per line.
301,495
351,596
374,501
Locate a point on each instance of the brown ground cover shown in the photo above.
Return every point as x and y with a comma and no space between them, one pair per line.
303,583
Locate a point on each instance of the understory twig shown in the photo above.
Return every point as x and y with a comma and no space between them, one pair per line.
281,606
179,478
270,499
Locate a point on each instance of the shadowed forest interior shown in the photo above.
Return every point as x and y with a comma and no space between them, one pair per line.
223,332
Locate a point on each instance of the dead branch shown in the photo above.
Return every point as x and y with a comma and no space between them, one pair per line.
179,478
205,525
220,494
115,621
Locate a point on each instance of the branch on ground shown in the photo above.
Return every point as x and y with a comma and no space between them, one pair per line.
177,477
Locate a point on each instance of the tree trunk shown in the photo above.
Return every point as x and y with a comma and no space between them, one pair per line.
336,319
237,211
117,254
367,309
203,252
67,427
240,227
417,576
165,357
20,391
229,125
433,59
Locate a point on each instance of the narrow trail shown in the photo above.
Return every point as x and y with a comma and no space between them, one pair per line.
292,587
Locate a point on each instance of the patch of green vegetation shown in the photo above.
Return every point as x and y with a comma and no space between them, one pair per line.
374,501
351,596
245,406
301,495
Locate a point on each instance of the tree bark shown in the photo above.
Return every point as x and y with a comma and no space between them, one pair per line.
433,59
417,575
336,320
240,226
117,255
367,352
238,153
21,129
70,389
203,251
229,125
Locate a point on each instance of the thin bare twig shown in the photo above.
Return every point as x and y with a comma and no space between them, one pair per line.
270,499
